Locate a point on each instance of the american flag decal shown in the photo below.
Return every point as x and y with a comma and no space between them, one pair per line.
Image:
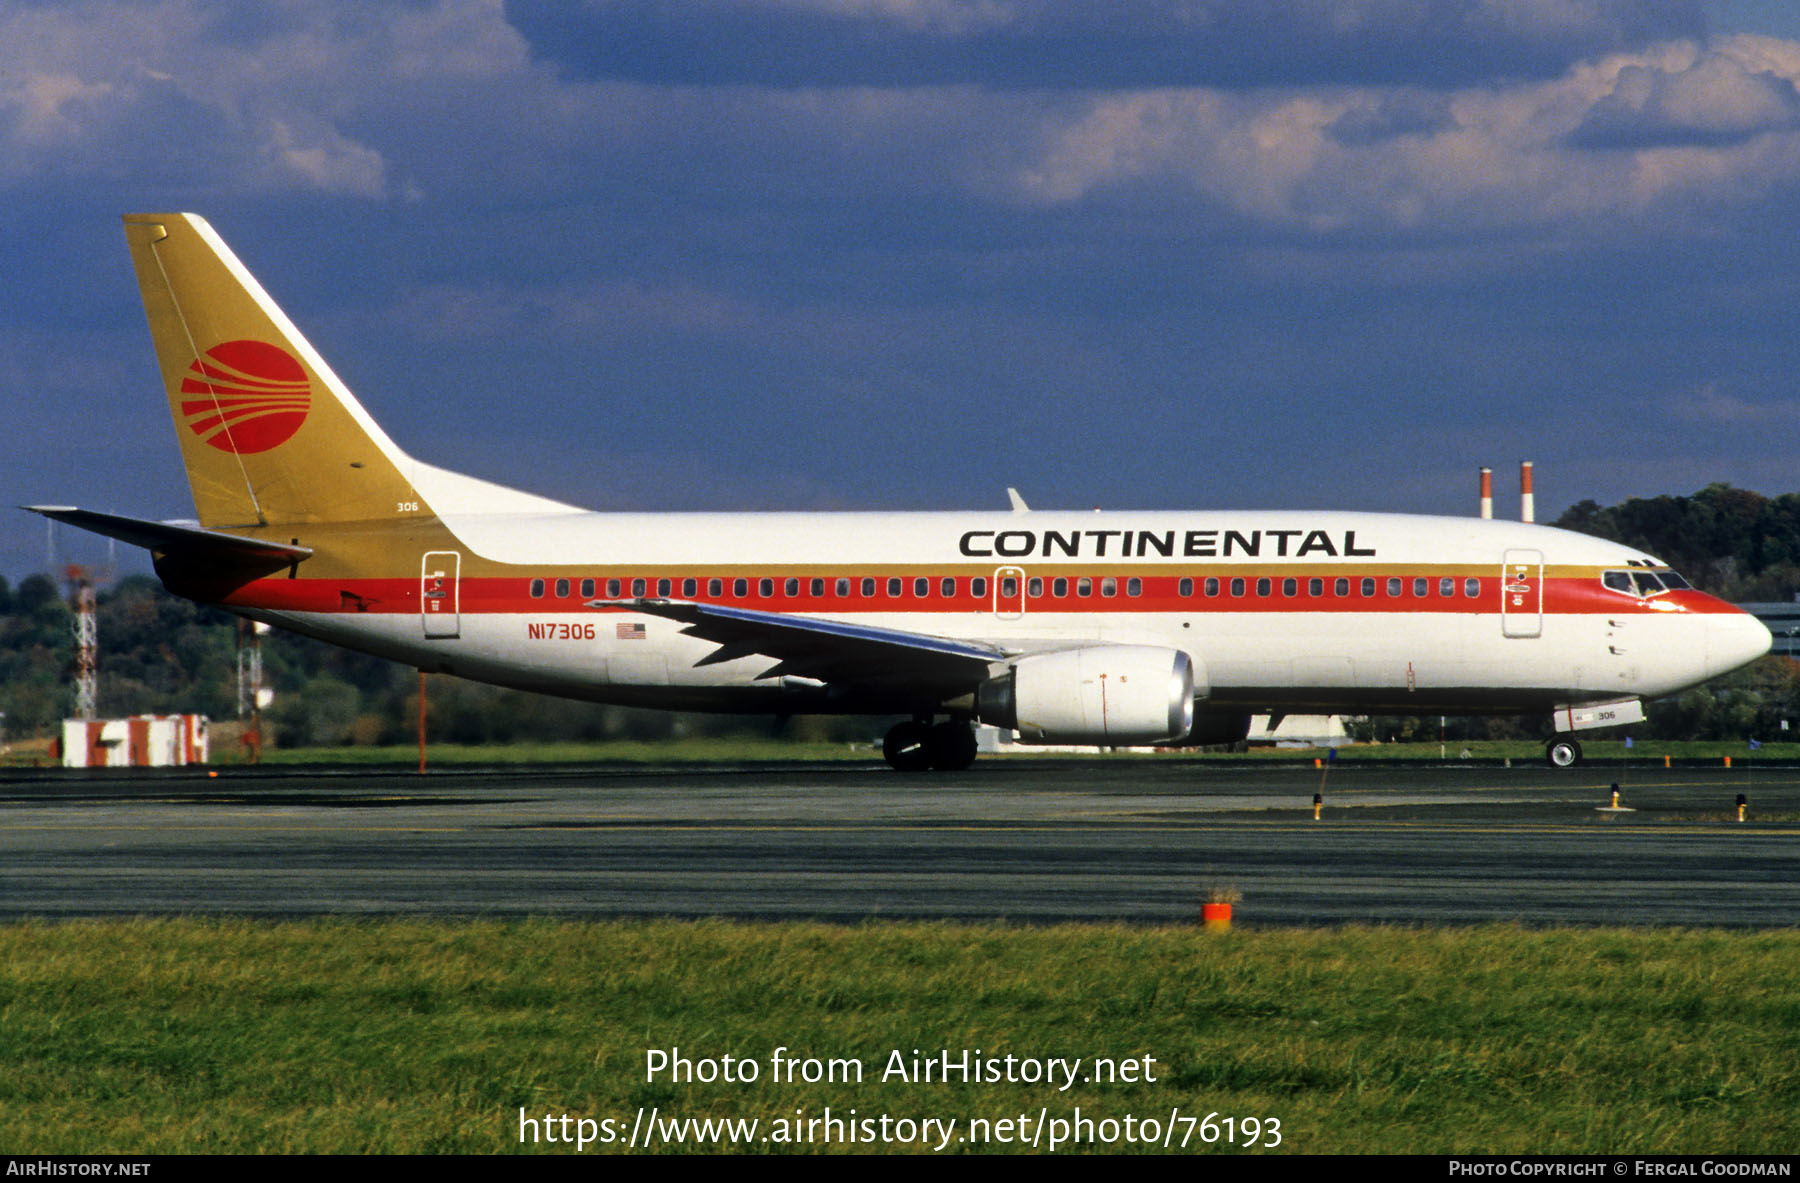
631,632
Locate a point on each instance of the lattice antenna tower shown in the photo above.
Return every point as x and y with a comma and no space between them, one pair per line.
87,641
82,581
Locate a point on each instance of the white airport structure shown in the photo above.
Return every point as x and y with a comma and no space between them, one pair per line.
141,741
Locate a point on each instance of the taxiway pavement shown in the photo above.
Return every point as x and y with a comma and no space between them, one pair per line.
1028,840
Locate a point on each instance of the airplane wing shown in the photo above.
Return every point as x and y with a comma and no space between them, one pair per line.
176,538
828,650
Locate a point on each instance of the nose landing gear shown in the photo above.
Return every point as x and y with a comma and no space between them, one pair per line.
913,747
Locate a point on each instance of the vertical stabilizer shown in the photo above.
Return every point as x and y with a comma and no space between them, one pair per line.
269,434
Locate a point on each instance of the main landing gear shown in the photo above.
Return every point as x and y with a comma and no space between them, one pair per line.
1562,753
921,744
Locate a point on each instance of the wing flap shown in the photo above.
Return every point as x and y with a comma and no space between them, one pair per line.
830,650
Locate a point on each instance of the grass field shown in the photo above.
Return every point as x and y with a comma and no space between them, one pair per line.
414,1036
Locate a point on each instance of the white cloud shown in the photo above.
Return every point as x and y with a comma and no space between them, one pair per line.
392,100
226,98
1710,405
326,161
1710,127
951,17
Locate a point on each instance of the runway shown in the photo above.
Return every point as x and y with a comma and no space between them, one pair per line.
1034,841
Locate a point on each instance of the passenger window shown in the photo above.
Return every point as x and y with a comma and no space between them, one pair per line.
1109,586
894,589
740,587
1237,587
1446,587
1341,588
1134,586
1290,587
978,587
868,588
1185,587
1262,587
587,589
1034,587
818,587
843,588
921,587
1059,586
1472,588
765,588
537,589
637,587
1368,587
612,589
1212,585
1396,586
662,588
690,588
715,587
791,587
1315,587
1009,587
1084,586
948,588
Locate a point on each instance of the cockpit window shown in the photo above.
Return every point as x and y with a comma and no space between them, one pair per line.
1639,582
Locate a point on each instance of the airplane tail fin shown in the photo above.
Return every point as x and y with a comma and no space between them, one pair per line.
269,434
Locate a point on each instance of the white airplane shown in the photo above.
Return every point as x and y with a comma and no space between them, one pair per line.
1151,627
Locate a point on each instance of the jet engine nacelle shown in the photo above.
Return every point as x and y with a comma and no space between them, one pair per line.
1104,694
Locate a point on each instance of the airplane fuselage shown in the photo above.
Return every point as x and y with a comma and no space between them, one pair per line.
1282,611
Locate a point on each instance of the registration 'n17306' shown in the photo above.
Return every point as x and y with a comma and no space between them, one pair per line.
559,631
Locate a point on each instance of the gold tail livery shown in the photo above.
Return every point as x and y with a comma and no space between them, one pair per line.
1154,626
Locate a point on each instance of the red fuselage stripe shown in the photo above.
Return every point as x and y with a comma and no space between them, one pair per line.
505,595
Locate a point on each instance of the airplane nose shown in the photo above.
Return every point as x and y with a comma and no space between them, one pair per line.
1734,641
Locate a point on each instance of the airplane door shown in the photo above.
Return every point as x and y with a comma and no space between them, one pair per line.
1009,593
440,609
1522,593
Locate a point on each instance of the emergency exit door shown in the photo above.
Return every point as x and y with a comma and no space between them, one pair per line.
1522,593
440,608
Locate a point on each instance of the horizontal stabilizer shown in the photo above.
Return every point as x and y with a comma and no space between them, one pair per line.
176,539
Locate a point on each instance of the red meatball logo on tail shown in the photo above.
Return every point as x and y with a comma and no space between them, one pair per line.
245,396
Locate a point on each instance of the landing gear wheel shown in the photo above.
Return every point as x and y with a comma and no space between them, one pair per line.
907,747
1562,753
952,746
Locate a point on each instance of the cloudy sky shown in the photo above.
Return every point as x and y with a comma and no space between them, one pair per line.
903,253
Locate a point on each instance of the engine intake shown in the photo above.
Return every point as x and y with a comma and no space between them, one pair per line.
1103,694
